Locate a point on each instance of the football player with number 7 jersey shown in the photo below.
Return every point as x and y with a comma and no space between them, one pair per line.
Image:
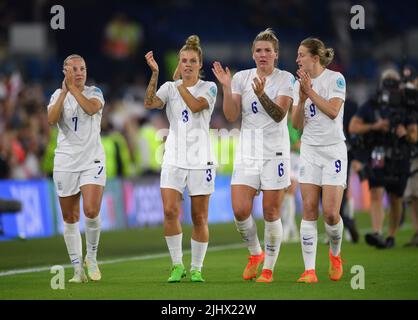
79,163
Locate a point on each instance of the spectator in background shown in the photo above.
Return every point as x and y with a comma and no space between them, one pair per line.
118,157
224,142
410,78
148,144
340,17
5,156
411,196
47,161
123,41
346,209
387,134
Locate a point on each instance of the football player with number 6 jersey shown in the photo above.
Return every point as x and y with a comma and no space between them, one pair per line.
262,96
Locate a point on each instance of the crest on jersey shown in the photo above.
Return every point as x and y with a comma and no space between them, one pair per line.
293,80
340,83
213,91
97,90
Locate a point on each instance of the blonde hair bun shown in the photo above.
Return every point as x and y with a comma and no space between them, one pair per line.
193,41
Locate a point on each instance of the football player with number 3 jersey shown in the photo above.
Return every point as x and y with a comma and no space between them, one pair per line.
187,161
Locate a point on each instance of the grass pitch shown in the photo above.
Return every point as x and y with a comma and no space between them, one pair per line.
136,266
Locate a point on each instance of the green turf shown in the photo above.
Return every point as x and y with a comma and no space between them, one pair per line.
389,274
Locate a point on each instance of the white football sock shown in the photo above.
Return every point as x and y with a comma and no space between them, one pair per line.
92,232
248,231
273,233
309,240
72,238
174,244
335,235
198,254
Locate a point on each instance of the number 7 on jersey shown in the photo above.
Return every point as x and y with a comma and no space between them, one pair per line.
75,120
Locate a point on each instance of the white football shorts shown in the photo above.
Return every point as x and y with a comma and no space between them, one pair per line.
197,181
323,165
69,183
271,174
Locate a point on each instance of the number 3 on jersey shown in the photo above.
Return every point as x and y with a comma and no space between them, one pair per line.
209,175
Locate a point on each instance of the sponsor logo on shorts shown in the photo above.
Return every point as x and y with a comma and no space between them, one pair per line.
59,185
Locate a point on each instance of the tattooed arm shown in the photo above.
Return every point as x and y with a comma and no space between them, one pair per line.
276,110
151,99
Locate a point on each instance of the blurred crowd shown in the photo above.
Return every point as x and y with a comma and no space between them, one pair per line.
131,134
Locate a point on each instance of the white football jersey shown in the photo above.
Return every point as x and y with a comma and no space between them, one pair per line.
188,142
261,137
79,146
319,129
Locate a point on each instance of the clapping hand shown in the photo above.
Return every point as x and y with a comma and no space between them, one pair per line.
223,75
151,62
258,86
69,77
305,84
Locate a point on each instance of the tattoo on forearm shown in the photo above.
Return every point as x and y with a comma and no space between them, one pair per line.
273,110
151,89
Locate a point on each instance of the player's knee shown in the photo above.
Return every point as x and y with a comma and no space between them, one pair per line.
91,212
71,217
310,209
242,212
200,219
271,213
331,218
376,195
171,212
